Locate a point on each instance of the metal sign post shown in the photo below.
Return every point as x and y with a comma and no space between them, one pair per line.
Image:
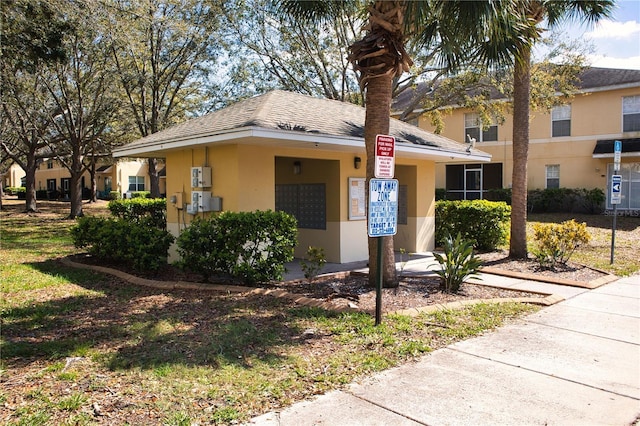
382,221
616,192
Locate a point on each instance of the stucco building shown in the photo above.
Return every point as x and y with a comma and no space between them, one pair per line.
124,176
570,147
291,152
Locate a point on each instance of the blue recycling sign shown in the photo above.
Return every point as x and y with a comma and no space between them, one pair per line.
383,207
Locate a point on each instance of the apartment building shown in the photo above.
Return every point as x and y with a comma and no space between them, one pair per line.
570,147
122,176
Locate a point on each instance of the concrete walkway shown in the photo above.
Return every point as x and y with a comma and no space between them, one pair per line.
574,363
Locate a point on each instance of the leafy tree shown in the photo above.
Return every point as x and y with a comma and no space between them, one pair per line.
82,91
32,32
287,54
554,81
32,37
24,124
163,52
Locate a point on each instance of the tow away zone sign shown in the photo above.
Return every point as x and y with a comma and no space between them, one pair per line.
383,207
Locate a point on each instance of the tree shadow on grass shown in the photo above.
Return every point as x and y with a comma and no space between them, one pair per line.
145,328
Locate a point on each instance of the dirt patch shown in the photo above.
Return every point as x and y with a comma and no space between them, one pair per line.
412,292
570,271
344,289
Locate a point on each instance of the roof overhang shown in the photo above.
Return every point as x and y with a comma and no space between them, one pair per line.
293,139
604,148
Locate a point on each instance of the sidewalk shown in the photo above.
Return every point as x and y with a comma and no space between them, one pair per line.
574,363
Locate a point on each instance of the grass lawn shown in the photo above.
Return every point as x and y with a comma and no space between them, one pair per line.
83,348
597,253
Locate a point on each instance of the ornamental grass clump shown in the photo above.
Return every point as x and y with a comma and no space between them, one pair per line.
457,264
555,243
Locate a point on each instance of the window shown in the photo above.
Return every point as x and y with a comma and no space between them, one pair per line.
51,184
136,183
50,164
474,128
631,113
561,121
472,181
630,190
553,176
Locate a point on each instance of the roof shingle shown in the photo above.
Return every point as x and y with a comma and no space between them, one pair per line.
288,111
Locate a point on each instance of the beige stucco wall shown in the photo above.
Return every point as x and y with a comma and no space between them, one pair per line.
593,116
245,176
13,176
119,174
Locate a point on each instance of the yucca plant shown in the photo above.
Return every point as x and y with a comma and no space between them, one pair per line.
457,264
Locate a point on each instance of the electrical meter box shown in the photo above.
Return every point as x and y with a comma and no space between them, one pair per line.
201,177
177,200
200,201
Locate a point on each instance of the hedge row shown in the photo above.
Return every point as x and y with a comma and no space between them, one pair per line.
250,246
486,223
551,200
141,247
144,211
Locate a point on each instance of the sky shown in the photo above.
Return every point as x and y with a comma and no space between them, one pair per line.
616,41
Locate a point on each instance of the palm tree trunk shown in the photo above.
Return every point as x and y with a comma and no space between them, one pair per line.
521,88
378,104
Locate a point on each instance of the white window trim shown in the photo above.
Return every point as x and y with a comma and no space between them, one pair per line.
479,126
623,113
547,168
558,108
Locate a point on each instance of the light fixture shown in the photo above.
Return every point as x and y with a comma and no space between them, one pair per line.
357,162
297,168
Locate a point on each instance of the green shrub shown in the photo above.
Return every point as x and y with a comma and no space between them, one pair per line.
499,194
144,211
140,194
14,190
141,247
250,246
313,263
592,200
569,200
115,195
555,243
457,264
485,223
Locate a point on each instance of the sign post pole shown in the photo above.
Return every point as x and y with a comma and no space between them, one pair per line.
379,284
383,205
383,221
616,192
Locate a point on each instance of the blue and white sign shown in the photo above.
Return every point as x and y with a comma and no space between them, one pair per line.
616,189
383,207
617,153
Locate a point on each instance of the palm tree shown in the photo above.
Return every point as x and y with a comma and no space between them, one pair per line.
536,11
452,28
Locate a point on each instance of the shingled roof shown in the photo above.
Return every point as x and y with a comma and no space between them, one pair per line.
591,79
293,116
